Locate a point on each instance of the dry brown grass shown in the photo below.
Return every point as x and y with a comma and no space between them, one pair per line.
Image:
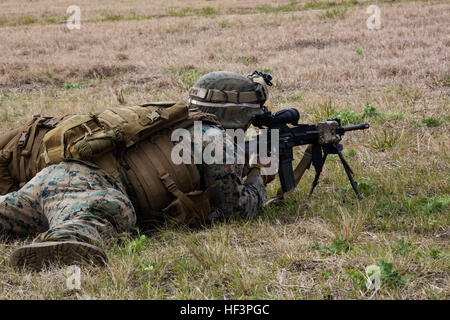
322,66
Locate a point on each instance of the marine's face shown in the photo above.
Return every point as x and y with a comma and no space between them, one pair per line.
238,117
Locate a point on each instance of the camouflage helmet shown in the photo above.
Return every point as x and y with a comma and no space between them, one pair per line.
233,98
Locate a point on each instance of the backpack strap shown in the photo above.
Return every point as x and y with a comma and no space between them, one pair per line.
29,145
6,179
190,212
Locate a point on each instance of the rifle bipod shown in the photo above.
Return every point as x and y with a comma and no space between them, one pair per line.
319,155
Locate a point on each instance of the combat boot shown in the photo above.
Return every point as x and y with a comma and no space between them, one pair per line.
37,255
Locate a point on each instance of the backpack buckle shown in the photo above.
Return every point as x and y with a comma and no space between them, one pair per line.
153,116
168,182
23,138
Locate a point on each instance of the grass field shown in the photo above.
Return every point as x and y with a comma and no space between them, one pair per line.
325,62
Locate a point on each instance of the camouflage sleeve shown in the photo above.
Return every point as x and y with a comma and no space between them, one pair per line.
234,197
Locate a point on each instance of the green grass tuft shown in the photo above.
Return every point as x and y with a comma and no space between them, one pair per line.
187,77
430,122
108,16
182,12
27,20
334,13
207,12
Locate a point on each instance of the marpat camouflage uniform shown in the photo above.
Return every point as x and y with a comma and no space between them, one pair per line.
234,197
68,201
78,201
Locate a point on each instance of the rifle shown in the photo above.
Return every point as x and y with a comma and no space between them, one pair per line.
323,138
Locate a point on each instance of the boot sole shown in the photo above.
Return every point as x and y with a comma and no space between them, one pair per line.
37,255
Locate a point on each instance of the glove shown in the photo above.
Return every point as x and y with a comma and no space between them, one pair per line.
259,168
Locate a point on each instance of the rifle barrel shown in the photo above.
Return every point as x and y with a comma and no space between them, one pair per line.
362,126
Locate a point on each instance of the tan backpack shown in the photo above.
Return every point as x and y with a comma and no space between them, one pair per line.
20,152
133,145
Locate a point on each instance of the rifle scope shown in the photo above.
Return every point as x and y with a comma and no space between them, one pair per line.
281,117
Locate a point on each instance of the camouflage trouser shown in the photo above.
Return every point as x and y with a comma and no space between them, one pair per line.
68,201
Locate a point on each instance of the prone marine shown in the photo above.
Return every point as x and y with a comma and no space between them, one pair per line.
74,182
